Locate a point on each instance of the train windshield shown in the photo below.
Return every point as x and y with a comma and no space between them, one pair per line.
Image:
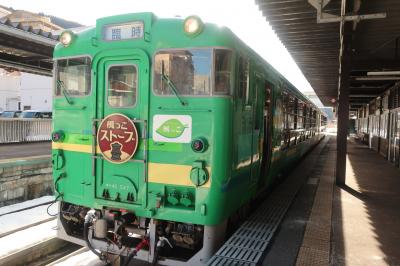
73,77
187,71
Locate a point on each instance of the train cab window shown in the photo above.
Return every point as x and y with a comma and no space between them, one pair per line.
223,70
183,72
73,76
122,85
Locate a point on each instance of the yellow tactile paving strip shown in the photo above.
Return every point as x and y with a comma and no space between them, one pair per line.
315,248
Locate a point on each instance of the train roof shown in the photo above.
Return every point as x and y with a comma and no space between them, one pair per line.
163,33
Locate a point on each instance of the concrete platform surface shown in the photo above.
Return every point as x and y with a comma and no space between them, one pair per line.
366,212
356,224
21,150
304,235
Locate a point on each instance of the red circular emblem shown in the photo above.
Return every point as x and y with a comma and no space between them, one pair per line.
117,138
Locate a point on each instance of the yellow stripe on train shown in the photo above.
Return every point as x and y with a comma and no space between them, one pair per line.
171,174
72,147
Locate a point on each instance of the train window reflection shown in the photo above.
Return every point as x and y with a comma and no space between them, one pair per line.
244,89
223,70
122,85
186,71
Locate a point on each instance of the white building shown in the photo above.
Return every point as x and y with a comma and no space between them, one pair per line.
9,90
36,92
24,91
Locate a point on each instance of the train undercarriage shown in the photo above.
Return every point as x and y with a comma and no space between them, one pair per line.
122,234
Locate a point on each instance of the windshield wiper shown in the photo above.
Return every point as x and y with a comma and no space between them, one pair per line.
170,84
60,84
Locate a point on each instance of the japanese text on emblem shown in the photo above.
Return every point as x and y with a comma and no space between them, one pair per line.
117,138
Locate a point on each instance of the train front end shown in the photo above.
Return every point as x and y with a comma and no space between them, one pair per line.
140,122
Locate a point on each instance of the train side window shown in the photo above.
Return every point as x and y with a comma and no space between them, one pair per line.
308,121
300,115
122,85
188,71
294,134
285,99
244,89
286,119
291,112
314,122
223,70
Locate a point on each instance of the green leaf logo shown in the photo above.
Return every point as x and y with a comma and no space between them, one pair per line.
172,128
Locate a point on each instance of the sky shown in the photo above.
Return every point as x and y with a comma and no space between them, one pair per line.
242,16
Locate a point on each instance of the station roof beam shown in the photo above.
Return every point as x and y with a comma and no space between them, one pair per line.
336,43
310,30
26,49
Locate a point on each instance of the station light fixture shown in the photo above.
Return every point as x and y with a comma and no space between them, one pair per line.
66,38
378,78
383,73
193,26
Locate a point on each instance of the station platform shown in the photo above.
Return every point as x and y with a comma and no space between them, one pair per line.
309,220
355,224
23,150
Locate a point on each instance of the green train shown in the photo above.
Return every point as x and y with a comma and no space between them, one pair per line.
165,131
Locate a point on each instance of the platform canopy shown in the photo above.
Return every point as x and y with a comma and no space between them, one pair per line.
311,31
26,49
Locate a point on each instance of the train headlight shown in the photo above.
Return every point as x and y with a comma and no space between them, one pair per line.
66,38
193,25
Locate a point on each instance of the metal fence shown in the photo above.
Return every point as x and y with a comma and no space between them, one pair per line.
24,130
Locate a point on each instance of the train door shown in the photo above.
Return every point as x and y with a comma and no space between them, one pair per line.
397,138
392,131
122,111
394,138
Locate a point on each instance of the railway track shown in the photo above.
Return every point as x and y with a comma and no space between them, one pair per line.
23,251
41,253
28,236
26,226
26,208
21,216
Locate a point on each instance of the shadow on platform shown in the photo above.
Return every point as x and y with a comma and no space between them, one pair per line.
366,213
